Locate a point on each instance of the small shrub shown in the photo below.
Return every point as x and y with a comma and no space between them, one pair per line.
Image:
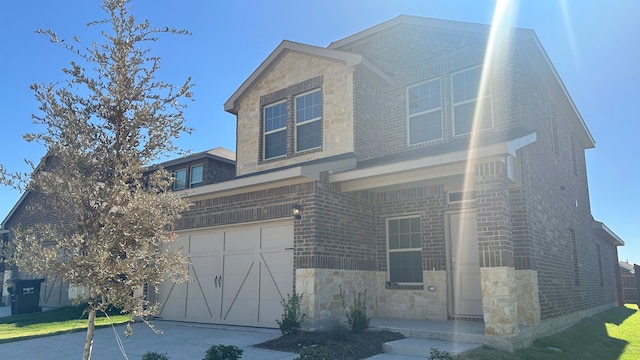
439,355
292,317
357,314
223,352
315,353
152,355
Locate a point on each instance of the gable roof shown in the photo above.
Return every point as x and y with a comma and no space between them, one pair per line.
442,24
522,36
350,60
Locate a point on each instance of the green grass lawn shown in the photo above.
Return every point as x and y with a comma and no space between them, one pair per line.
52,322
609,335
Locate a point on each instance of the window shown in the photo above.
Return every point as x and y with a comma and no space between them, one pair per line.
574,255
196,175
275,130
599,255
424,112
180,181
555,142
461,196
574,157
404,240
309,121
469,100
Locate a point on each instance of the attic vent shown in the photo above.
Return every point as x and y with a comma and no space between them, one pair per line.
460,196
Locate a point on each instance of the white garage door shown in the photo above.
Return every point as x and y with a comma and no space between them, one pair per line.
237,275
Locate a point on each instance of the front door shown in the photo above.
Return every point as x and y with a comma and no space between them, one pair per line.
465,265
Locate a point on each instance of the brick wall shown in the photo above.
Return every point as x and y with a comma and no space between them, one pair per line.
411,55
552,202
426,202
368,118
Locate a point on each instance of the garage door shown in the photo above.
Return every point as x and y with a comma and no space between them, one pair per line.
237,275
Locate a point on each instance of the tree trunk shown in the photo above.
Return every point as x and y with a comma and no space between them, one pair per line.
88,343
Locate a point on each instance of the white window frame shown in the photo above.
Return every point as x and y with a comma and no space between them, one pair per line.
175,180
409,116
389,250
191,183
308,121
265,132
486,99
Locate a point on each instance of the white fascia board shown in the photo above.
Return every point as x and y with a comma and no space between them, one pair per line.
545,56
249,183
498,149
290,176
604,230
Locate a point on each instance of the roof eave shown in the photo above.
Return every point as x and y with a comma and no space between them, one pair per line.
607,233
350,60
545,56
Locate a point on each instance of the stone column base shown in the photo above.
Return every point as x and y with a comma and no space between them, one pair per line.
499,301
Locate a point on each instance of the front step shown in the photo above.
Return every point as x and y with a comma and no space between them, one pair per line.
422,347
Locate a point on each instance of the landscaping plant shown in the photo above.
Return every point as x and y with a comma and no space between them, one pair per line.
292,316
152,355
223,352
109,226
357,314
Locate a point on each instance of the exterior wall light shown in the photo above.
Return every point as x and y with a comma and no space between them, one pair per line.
297,211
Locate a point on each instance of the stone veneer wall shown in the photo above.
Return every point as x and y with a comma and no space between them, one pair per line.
421,304
337,119
527,295
321,293
323,305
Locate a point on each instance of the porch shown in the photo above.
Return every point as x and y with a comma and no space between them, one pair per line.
459,332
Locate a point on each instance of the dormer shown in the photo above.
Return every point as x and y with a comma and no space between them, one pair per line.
297,107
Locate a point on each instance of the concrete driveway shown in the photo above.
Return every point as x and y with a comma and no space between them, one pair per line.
179,340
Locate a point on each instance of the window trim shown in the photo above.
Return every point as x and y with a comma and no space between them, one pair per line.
409,116
280,129
389,250
191,183
308,121
487,97
175,178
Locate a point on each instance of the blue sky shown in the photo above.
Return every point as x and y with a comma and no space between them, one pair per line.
593,45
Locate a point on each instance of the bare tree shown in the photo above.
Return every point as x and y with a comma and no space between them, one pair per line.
103,126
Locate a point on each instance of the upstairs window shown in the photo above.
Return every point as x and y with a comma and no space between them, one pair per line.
424,109
275,130
574,155
404,239
308,121
470,102
180,181
196,175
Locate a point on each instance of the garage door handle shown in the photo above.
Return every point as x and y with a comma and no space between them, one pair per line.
218,281
215,281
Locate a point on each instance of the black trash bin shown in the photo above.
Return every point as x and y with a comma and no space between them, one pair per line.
25,296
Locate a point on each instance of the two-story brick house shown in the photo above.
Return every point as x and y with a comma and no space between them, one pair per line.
446,187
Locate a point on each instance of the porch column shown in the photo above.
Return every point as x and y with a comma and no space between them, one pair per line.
495,244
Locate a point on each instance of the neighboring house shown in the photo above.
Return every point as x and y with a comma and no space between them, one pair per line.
630,280
398,191
191,171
